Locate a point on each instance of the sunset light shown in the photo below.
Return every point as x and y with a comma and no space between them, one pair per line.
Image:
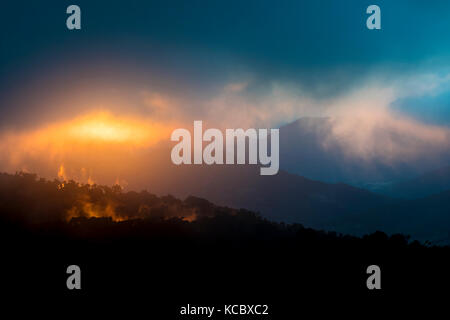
104,127
84,147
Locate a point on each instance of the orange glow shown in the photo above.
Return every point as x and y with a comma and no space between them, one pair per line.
106,128
98,147
99,127
85,208
190,218
62,173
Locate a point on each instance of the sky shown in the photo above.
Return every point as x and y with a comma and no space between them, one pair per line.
232,64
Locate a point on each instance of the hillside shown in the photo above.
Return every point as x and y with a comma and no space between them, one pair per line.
139,246
426,184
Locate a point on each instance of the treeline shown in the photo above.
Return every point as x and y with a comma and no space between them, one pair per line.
129,242
27,198
102,211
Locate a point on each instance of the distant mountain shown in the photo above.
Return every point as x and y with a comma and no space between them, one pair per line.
429,183
337,207
283,197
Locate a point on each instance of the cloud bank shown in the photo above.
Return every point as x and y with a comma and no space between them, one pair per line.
364,123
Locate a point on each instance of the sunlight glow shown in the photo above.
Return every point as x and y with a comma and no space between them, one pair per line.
96,144
107,128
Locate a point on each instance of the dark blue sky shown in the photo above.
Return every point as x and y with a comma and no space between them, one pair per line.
323,46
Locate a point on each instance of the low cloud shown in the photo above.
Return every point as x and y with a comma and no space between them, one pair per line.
364,124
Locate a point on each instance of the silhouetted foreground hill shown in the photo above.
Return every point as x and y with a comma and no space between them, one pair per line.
25,198
161,253
425,218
